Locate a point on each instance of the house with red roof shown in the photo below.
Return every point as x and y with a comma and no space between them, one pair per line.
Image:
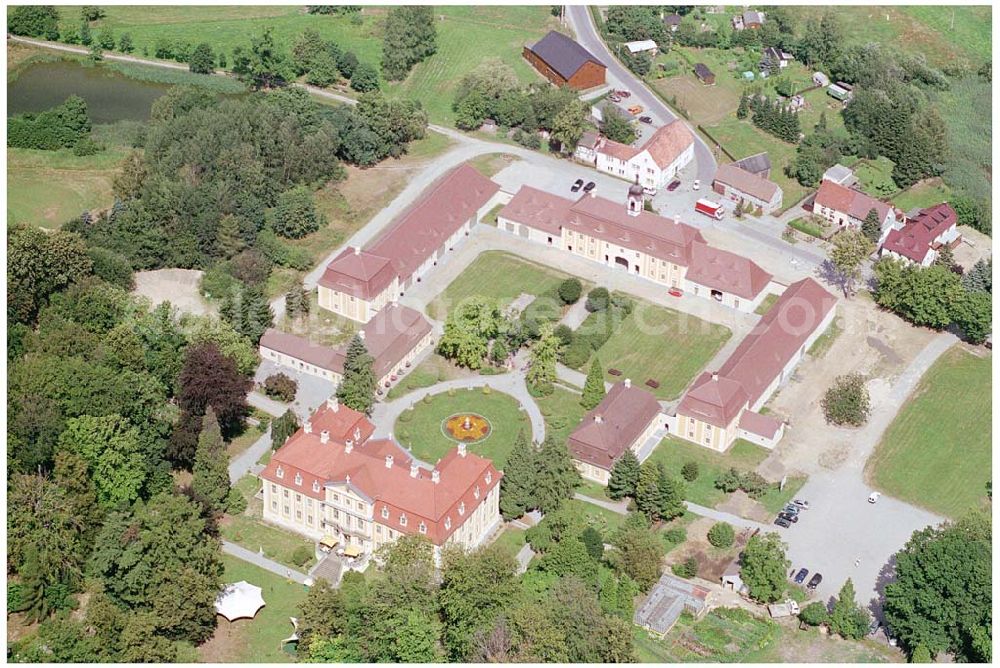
848,207
360,282
626,419
654,164
394,338
640,242
333,482
920,238
721,406
737,184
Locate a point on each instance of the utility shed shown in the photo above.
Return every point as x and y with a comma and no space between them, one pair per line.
668,599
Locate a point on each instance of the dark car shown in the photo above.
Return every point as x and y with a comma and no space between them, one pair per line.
814,581
646,119
782,523
800,577
674,185
788,517
590,186
791,509
577,185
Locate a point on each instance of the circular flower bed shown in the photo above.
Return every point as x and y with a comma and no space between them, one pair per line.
466,427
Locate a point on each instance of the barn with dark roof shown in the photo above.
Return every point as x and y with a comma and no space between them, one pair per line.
565,63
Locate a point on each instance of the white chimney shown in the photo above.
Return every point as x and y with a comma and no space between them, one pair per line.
461,449
357,433
598,418
414,470
307,427
334,403
348,446
388,461
435,476
324,436
715,375
357,250
593,194
628,382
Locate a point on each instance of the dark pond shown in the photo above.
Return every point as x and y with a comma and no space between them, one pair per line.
110,96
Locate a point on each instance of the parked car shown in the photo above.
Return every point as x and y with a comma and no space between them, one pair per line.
800,577
590,186
623,93
782,523
791,509
635,109
614,98
814,581
874,497
673,185
789,517
675,292
577,185
804,505
646,119
696,185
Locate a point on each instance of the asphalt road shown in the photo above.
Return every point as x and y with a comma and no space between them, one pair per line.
587,35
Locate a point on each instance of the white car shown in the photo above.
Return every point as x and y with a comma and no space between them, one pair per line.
696,185
874,497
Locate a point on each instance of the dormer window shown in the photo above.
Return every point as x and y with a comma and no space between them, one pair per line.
280,473
476,493
315,485
385,512
402,520
447,523
489,477
298,478
422,528
461,508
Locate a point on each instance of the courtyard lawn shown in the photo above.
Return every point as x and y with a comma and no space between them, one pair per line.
256,640
431,371
937,452
511,540
674,452
48,188
562,412
604,520
496,275
661,344
924,194
766,304
422,428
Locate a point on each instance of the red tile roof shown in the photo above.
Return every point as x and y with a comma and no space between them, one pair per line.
424,228
917,237
847,200
618,150
761,356
359,273
407,244
725,271
389,336
608,430
537,209
746,182
464,480
668,143
762,425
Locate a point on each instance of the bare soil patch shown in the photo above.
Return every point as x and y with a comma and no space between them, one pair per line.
177,286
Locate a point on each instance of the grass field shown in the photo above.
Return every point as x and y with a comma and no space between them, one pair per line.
674,452
48,188
937,451
256,640
923,194
966,108
466,36
511,540
562,412
421,429
728,635
766,304
431,371
875,177
662,344
496,275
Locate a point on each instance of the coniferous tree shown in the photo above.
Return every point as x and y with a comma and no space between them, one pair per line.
210,480
557,477
744,109
33,601
282,428
848,618
518,482
671,495
624,476
357,387
871,228
647,493
593,388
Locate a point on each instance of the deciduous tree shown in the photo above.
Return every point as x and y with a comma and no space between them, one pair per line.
850,249
847,618
114,453
763,567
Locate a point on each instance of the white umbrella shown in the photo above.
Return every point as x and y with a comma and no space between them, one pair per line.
238,601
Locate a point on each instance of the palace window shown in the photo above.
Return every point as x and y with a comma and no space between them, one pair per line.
280,473
476,493
274,488
447,523
461,508
385,512
422,528
315,485
284,493
298,478
402,520
489,477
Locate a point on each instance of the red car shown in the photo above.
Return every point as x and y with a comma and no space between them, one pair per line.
675,292
673,185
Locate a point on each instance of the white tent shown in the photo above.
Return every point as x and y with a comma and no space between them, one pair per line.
238,601
641,46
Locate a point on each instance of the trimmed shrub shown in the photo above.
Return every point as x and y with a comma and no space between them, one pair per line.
690,471
598,299
301,555
576,354
721,535
570,290
847,402
281,387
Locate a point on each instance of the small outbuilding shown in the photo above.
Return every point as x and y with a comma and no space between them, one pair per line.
821,79
667,600
704,74
641,46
